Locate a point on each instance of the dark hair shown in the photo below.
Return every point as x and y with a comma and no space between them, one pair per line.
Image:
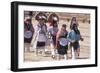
75,28
41,14
71,25
29,20
51,18
64,25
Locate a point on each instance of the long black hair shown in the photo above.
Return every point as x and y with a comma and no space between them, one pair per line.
73,19
75,28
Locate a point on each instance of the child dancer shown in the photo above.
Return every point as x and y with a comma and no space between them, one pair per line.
62,41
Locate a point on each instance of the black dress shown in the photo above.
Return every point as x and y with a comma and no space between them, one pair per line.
28,27
63,49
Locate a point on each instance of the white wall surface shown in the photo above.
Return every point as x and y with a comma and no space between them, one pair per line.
5,18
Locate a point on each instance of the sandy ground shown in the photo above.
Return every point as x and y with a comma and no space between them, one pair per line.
30,56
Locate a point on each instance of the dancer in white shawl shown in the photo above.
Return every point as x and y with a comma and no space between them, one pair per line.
40,37
53,29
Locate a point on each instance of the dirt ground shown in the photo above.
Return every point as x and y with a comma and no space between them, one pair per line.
30,56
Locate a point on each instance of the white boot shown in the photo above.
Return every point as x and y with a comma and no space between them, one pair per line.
36,52
65,57
73,54
52,51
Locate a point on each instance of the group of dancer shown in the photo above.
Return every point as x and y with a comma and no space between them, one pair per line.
59,40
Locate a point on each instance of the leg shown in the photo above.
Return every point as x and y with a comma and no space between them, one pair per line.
73,53
65,52
52,51
27,47
58,57
43,51
36,52
70,48
24,47
77,49
77,53
53,46
65,56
